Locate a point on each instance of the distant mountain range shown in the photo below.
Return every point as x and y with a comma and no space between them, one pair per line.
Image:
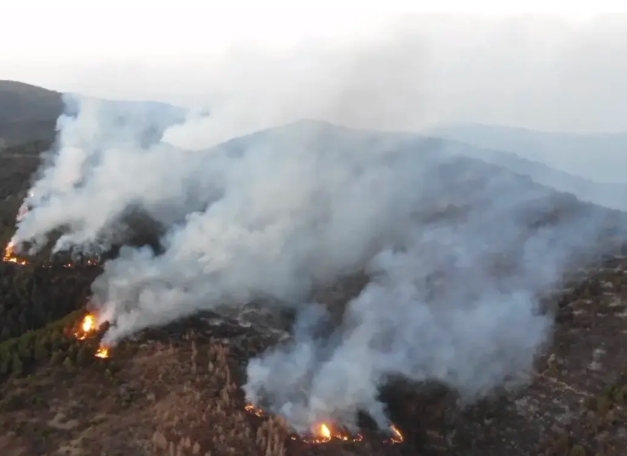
338,139
29,113
601,157
459,177
611,195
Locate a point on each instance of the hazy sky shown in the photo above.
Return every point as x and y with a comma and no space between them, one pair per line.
565,73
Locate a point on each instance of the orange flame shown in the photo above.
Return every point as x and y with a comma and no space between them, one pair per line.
326,432
250,408
103,352
88,326
89,323
397,436
347,437
10,257
322,434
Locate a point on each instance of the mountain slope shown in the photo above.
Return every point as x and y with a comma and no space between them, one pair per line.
24,102
175,389
29,113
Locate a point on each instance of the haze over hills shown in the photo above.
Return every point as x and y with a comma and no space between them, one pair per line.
600,157
612,195
29,113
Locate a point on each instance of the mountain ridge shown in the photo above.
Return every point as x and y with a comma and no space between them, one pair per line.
29,113
598,156
611,195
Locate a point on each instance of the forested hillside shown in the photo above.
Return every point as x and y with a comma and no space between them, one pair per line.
175,390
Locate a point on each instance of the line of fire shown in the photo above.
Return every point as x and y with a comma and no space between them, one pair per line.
10,256
326,432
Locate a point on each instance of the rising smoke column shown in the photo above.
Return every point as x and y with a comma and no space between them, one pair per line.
307,203
455,301
107,158
456,260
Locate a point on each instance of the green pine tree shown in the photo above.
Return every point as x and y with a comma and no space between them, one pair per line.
41,352
81,356
57,358
67,363
17,366
5,365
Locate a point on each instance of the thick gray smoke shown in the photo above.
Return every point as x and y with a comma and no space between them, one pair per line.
109,157
458,251
453,299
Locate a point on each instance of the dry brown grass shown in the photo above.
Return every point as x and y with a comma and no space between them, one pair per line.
177,399
182,397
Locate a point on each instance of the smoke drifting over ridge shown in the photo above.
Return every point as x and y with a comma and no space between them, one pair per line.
456,259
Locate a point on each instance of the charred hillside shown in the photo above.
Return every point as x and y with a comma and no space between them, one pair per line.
175,389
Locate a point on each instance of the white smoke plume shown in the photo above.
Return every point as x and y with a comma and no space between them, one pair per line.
456,259
106,151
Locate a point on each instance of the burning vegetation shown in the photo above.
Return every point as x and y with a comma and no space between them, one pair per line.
9,251
89,327
326,432
102,352
10,254
11,257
